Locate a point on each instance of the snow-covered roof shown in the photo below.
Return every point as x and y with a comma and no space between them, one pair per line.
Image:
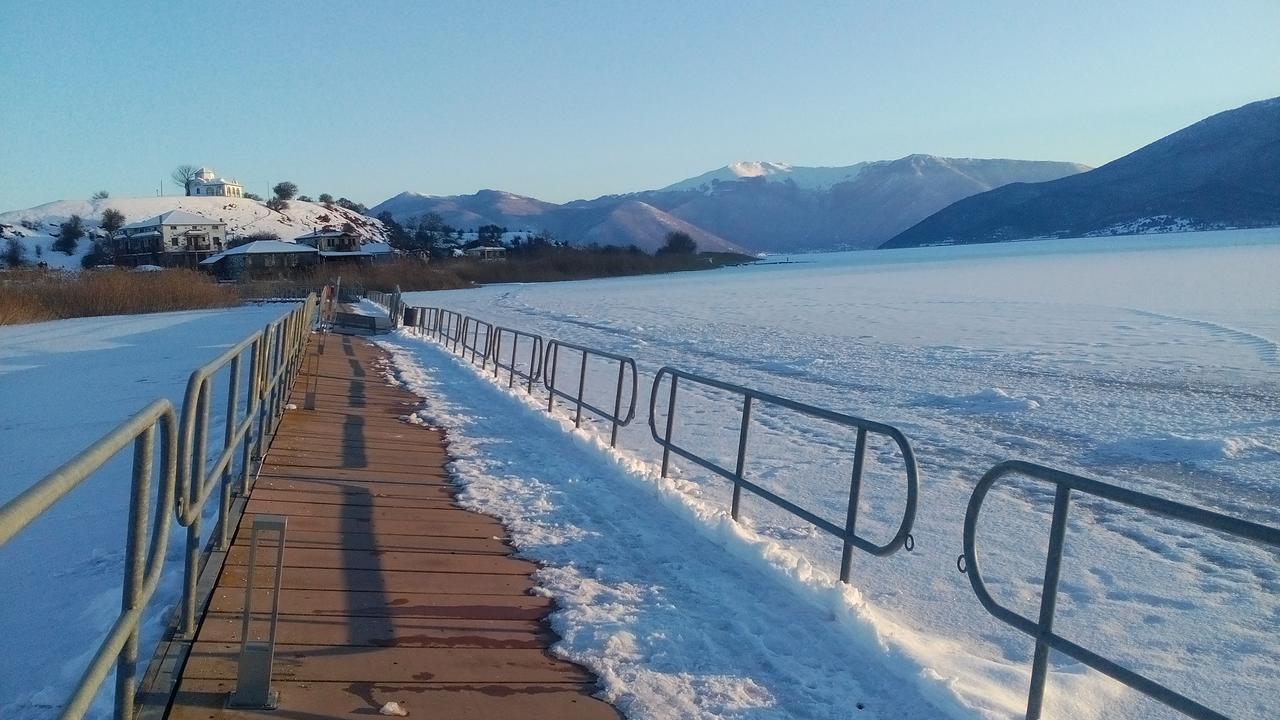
260,247
173,217
323,233
481,248
377,248
337,254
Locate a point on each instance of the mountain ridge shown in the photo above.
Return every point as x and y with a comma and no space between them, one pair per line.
1220,172
758,206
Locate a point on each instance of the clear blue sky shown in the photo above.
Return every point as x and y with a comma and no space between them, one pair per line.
577,99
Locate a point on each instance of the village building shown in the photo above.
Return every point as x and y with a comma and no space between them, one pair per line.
206,183
344,245
329,239
487,252
173,239
262,260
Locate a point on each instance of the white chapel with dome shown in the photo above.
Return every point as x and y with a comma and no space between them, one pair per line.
206,182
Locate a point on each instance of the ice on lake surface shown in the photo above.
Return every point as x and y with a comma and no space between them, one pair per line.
1151,362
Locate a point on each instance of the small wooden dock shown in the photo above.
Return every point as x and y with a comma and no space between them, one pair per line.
391,592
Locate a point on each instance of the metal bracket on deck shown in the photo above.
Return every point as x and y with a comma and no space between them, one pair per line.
253,679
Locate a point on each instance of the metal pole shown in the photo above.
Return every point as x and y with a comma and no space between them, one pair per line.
1048,601
851,516
617,406
248,417
742,456
671,416
555,362
535,354
135,552
193,530
582,385
228,436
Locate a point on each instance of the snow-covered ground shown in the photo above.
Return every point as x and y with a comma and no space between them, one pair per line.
63,384
1150,362
37,227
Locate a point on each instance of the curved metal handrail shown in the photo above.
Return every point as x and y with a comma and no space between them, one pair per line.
449,328
1042,629
535,356
275,357
550,360
902,538
471,338
120,646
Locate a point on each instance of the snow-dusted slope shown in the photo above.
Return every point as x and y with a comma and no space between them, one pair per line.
37,226
812,178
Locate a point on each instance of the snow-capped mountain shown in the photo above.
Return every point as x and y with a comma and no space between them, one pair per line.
810,178
749,205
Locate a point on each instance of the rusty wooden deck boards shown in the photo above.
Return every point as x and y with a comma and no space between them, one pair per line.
390,591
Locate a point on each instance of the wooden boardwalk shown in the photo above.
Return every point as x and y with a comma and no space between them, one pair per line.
390,591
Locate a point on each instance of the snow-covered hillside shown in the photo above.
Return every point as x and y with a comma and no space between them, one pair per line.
38,226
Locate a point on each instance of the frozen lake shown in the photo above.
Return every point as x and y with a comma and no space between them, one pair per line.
1151,362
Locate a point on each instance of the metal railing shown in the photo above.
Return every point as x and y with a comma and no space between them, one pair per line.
449,329
511,365
186,483
389,301
848,533
275,354
428,318
471,337
551,362
120,647
1042,628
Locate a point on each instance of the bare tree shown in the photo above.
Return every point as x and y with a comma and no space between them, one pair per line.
183,174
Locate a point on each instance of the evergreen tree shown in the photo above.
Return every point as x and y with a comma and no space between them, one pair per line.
15,254
72,231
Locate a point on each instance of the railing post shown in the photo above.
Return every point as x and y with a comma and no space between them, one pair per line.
200,419
135,552
535,352
511,371
742,456
1048,601
617,406
228,437
253,674
851,516
496,338
671,416
555,358
582,386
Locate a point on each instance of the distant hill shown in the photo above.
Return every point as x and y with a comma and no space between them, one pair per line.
1222,172
619,221
36,227
749,205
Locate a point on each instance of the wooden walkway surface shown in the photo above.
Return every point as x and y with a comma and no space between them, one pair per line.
390,591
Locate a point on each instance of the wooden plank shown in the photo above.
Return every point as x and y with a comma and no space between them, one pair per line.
455,701
393,543
390,590
392,664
